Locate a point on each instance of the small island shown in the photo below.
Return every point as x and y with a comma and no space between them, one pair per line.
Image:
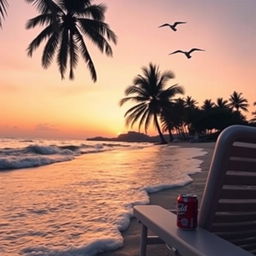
131,136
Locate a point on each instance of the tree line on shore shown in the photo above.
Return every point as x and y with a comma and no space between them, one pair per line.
154,103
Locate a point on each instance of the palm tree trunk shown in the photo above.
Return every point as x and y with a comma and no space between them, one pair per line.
163,141
170,135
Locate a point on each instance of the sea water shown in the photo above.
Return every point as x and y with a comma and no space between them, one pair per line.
63,198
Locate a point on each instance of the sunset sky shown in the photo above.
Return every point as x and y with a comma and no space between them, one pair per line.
36,102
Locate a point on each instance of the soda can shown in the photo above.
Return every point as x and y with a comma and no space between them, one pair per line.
187,211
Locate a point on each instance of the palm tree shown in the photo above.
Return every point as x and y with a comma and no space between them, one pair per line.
191,111
221,103
3,8
190,102
67,25
172,116
151,97
176,118
208,105
238,102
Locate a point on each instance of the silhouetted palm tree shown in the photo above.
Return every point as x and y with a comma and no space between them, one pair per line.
68,23
191,112
221,103
238,102
149,93
3,8
167,123
190,102
172,117
208,104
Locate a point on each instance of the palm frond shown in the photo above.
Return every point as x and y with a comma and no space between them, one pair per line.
133,98
244,107
74,6
132,116
150,114
134,109
166,76
96,31
63,52
73,56
85,54
43,19
96,12
50,49
135,90
143,118
141,82
45,6
124,100
171,92
37,41
140,115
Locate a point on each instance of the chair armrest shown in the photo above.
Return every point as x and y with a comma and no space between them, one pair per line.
198,242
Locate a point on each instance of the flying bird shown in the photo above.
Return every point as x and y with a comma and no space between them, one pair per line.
188,53
172,26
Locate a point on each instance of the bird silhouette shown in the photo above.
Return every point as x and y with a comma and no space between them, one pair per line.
188,53
172,26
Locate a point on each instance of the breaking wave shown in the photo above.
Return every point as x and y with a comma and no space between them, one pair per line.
27,153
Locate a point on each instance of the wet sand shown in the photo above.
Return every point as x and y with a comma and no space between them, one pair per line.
166,199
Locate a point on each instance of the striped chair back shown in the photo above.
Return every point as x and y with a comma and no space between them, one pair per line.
228,206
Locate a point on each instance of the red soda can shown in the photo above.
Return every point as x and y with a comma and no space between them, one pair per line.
187,211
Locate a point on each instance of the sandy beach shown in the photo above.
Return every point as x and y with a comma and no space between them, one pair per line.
166,199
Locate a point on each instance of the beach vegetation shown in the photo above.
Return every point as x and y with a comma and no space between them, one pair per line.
238,102
152,98
222,104
181,118
66,26
210,118
208,105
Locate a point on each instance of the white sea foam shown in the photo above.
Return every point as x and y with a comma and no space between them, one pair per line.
31,153
17,162
152,189
80,207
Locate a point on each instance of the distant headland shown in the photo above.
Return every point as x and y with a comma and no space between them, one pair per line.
131,136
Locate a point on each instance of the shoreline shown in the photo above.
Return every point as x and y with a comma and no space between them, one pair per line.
167,199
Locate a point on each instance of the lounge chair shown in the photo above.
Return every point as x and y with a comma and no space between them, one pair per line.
227,215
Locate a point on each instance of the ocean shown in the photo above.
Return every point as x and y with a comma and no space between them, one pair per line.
75,197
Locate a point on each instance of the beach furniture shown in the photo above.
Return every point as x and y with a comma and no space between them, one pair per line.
227,214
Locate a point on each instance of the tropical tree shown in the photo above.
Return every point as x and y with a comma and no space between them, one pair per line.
190,102
67,25
172,117
191,113
3,9
208,105
238,102
221,103
149,93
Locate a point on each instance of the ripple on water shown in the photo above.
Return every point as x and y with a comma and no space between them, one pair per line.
79,208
